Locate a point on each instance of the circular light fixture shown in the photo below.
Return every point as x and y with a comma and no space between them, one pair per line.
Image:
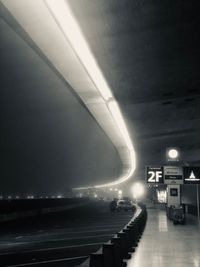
173,153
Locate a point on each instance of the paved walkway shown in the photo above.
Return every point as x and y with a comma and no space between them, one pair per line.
164,244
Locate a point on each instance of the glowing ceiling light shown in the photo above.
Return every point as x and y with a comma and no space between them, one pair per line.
72,31
173,153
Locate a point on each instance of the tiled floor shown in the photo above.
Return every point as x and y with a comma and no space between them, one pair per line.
164,244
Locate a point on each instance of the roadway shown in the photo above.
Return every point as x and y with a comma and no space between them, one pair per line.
61,239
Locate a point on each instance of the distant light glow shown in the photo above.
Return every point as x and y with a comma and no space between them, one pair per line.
119,194
173,153
137,190
30,197
162,196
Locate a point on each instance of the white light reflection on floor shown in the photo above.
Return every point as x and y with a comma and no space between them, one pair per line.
196,261
157,260
162,223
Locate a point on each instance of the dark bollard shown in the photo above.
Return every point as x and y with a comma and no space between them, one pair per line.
128,237
114,253
118,253
135,230
135,234
96,260
132,237
127,244
123,242
108,255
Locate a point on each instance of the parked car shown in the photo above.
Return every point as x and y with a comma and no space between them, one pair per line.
113,205
125,205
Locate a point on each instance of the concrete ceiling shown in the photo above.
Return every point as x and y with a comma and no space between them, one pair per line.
149,52
49,142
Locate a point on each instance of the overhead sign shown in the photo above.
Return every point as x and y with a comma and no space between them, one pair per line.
154,175
191,175
173,175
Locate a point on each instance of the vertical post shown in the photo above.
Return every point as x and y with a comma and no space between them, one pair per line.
198,215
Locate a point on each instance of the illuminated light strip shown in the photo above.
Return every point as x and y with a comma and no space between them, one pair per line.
72,31
54,18
116,113
121,179
64,18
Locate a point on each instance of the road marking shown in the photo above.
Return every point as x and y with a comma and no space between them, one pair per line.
110,230
79,232
57,239
68,231
54,248
49,261
18,237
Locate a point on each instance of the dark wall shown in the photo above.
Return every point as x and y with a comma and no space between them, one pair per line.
189,194
48,140
19,205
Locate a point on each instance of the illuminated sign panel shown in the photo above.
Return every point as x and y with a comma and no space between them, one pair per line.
154,175
173,175
191,175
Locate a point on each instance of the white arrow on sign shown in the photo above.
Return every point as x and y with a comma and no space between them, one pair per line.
192,177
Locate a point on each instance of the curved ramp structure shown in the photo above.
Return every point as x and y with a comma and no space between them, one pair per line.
54,29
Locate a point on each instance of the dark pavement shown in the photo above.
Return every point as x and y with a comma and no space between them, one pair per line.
60,239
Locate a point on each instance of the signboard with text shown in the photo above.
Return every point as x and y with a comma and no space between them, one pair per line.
154,175
173,175
191,175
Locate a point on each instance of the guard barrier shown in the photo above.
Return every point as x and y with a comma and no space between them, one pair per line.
120,247
36,210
